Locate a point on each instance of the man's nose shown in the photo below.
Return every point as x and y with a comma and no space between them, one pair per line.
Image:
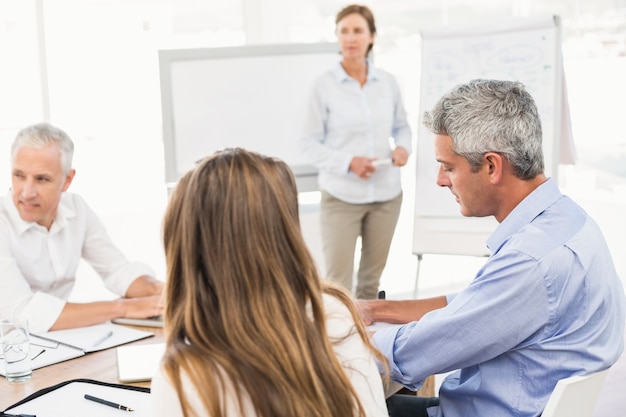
29,189
442,178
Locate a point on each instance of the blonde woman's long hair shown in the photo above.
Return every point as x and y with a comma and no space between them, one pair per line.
243,295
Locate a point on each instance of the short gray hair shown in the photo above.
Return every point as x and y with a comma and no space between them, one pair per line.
42,134
491,116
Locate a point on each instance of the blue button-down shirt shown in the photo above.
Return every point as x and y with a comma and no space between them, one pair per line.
346,120
546,305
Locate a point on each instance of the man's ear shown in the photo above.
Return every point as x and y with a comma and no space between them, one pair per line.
68,179
495,166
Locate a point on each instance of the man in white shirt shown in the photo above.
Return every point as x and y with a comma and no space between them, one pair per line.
44,232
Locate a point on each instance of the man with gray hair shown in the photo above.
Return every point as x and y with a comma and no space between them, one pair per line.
45,231
547,304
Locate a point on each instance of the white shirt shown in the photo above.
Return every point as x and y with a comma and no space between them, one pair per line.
38,266
357,359
346,120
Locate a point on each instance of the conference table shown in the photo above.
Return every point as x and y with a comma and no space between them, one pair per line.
100,366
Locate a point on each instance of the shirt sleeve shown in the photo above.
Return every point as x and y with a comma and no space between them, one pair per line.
105,258
480,323
401,132
312,144
42,311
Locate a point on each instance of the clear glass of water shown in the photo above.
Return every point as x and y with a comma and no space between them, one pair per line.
15,345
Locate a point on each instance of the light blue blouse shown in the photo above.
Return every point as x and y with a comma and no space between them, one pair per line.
346,120
547,304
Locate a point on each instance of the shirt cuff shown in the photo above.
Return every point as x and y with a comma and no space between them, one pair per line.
119,281
384,340
42,311
344,164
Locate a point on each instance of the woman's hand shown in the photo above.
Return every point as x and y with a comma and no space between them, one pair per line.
400,156
362,167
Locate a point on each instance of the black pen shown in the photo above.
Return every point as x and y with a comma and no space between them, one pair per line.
109,403
37,355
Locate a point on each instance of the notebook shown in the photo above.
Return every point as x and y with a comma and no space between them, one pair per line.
138,363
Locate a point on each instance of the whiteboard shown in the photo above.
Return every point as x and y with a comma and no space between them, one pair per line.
255,97
526,50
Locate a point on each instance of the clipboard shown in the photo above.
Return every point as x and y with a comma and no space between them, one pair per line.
56,400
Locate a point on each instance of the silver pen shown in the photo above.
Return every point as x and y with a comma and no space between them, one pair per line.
103,338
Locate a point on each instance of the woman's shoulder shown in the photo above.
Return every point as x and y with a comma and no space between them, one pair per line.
331,75
166,402
164,397
339,320
383,74
333,304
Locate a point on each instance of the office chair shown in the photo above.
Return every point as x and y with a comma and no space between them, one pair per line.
575,396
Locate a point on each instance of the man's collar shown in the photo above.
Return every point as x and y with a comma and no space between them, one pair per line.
64,212
530,207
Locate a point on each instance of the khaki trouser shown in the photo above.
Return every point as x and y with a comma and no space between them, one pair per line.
341,224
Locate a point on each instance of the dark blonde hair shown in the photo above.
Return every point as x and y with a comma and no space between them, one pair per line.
360,10
243,296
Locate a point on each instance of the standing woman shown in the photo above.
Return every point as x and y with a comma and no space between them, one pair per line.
355,110
251,329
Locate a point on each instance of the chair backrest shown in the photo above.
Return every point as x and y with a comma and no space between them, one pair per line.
575,396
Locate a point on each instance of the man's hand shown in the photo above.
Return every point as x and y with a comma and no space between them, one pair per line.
143,299
397,311
365,311
86,314
142,307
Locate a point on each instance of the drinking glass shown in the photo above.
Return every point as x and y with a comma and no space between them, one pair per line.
15,345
